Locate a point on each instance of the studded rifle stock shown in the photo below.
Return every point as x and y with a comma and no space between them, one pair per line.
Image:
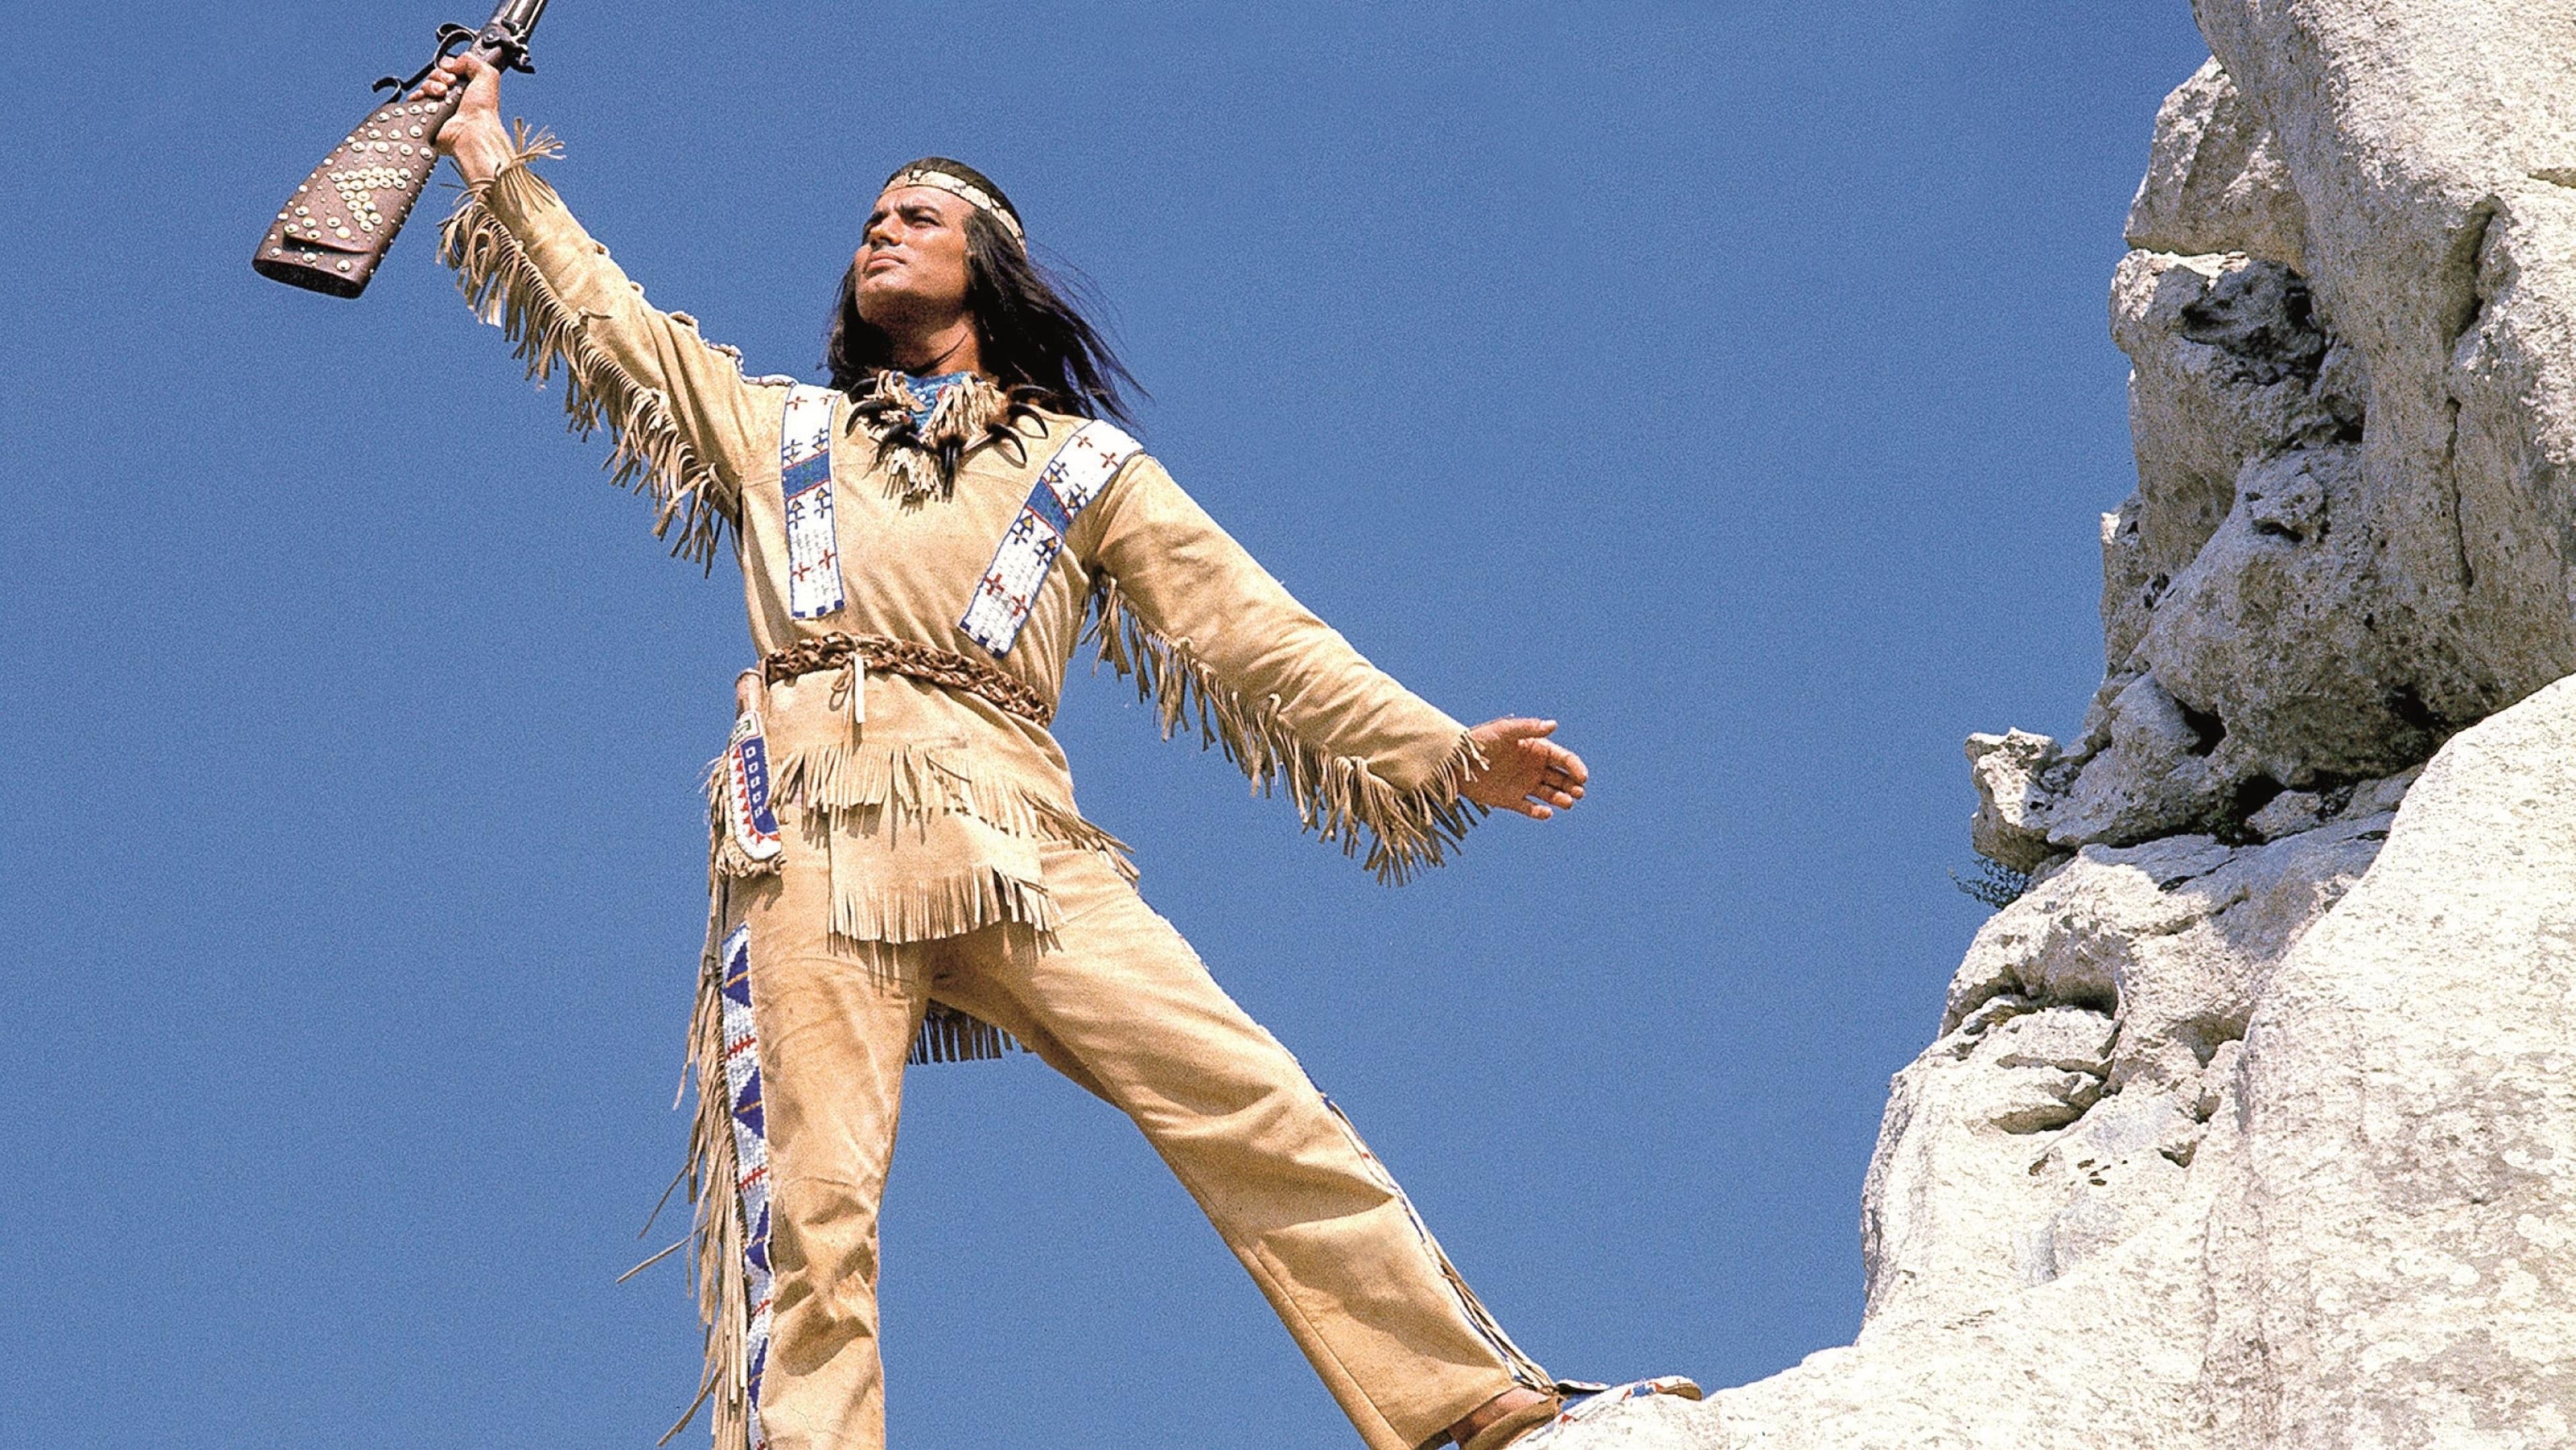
332,232
335,228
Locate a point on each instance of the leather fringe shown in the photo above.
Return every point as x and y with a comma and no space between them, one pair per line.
504,286
948,1035
726,856
730,860
716,1270
1337,796
951,906
926,780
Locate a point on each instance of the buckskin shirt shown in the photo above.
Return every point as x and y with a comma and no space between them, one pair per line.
935,799
927,856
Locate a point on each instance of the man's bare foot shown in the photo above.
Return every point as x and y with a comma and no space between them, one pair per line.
1490,1411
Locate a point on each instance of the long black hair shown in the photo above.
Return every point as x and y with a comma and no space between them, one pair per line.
1035,341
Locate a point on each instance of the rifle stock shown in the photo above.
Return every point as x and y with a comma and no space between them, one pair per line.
332,233
334,230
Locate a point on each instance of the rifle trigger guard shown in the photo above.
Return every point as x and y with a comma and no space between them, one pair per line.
450,36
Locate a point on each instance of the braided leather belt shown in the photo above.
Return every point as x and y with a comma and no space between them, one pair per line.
916,661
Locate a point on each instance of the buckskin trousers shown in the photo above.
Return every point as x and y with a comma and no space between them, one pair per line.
1119,1003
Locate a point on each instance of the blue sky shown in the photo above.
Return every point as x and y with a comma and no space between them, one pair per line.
1729,381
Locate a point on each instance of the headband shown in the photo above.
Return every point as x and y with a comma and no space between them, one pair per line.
975,192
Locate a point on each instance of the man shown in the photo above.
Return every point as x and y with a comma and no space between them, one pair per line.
921,544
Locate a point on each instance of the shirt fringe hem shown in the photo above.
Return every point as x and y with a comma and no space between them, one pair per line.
912,781
969,900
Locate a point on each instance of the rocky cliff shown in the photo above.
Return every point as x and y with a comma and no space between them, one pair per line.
2252,1122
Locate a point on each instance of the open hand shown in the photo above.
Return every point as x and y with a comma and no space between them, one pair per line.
1524,770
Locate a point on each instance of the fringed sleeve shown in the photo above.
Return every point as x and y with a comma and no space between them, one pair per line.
688,427
1212,639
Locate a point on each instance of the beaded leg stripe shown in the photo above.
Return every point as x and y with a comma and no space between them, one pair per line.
1070,481
751,1161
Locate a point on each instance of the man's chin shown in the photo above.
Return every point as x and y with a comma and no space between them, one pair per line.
888,307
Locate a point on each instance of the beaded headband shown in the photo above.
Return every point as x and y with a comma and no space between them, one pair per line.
964,183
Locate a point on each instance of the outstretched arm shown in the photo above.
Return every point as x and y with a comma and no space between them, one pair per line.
1213,637
686,423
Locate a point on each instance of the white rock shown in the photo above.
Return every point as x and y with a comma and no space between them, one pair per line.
2215,182
2151,766
2228,1145
2279,629
2148,766
2397,1263
2229,365
2353,1228
2378,797
2351,319
2105,1356
2420,136
2243,628
2126,573
2124,970
2013,800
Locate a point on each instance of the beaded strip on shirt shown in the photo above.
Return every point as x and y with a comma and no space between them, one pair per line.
916,661
805,486
1065,487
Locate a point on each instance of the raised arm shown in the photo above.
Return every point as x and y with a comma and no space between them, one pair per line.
688,428
1207,630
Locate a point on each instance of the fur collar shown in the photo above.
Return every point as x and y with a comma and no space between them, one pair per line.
922,433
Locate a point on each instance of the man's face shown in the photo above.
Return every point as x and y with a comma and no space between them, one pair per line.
912,262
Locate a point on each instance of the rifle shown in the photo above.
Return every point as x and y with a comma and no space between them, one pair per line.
332,232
